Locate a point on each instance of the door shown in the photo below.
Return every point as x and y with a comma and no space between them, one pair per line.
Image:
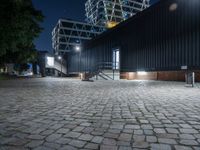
116,59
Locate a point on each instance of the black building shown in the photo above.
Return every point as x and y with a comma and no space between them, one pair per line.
164,37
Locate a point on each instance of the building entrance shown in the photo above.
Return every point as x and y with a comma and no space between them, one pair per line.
116,59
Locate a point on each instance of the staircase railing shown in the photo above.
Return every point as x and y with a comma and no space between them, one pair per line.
98,70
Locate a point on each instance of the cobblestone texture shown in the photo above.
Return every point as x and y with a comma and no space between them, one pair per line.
69,114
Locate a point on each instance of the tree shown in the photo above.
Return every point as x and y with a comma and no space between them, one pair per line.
19,26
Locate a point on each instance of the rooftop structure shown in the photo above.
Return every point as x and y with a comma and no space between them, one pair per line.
109,13
68,34
101,14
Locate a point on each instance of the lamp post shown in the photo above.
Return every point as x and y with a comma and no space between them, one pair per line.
60,58
78,49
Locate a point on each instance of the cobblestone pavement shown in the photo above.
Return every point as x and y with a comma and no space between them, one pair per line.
46,114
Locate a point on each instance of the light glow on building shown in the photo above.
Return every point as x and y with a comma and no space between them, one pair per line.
142,73
101,12
50,61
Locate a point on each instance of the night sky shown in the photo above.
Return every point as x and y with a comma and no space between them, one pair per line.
55,9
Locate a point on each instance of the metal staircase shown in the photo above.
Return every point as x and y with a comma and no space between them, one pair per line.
102,71
61,68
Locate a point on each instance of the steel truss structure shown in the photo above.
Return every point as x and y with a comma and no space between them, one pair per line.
111,12
68,34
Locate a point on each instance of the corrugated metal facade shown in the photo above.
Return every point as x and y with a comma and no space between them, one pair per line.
164,37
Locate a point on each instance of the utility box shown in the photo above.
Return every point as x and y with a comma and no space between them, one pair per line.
190,78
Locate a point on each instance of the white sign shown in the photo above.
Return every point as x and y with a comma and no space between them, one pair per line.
184,67
50,62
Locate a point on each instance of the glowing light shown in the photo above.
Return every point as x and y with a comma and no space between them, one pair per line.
142,73
50,61
173,7
59,57
111,24
77,48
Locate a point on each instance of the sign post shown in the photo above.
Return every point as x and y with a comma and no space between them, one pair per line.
189,76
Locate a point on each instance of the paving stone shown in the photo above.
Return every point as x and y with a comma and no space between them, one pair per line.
13,148
159,130
179,147
138,138
167,141
86,137
124,143
129,131
97,132
138,132
56,126
85,124
68,147
78,129
196,147
125,148
115,131
34,143
52,145
77,143
189,142
63,140
70,126
43,148
97,139
125,137
172,130
132,127
148,132
73,134
63,130
14,141
108,147
36,137
123,115
151,139
188,131
187,136
18,135
160,147
168,136
198,140
92,146
47,132
111,135
87,130
146,127
117,126
185,126
53,137
140,144
197,136
108,141
143,121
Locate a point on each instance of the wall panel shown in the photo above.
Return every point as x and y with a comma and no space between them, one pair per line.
156,39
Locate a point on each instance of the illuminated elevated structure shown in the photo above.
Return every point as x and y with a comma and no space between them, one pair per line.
101,15
68,34
109,13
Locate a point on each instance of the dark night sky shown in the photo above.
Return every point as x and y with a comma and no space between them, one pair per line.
55,9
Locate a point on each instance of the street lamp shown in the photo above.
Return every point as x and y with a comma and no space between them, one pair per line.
78,49
60,58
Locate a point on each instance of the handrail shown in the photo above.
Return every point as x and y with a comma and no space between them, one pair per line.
97,69
106,75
